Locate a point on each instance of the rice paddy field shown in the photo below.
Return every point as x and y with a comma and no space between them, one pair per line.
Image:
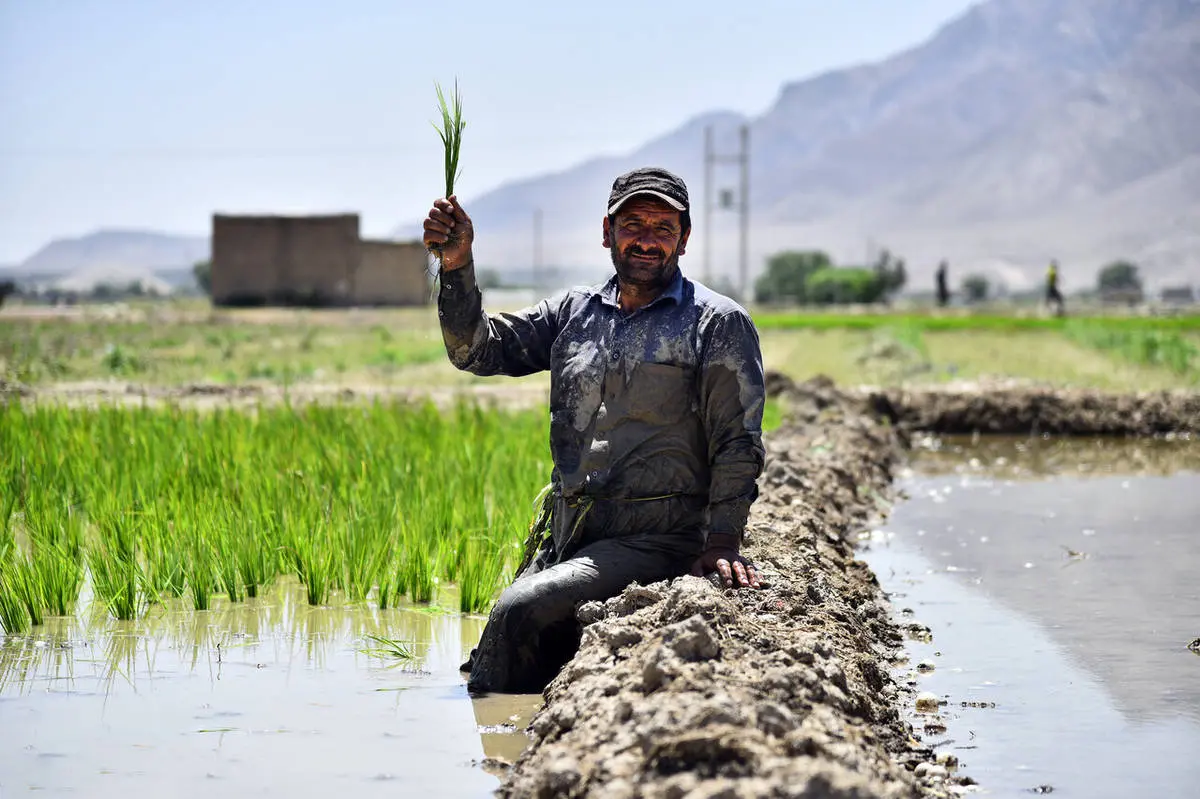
202,597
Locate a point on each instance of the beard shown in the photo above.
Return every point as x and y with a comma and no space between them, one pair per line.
649,276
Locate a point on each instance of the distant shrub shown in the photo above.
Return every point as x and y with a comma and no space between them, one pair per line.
841,285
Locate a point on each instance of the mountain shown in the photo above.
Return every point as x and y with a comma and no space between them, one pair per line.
116,251
1020,131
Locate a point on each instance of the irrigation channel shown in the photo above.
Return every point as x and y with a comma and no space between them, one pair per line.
806,688
1053,587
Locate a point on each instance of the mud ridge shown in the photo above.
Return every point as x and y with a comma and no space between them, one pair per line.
683,689
1031,410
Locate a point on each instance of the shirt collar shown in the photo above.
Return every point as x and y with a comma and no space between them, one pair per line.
673,291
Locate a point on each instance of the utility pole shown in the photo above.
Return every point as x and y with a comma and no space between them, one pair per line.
744,252
537,249
708,189
742,158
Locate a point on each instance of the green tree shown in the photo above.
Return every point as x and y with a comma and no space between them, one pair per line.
844,285
891,273
976,287
786,274
6,287
202,271
1119,276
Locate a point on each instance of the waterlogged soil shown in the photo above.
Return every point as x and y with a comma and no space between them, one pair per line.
1055,586
267,697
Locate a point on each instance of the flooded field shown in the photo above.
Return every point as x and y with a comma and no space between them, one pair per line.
266,697
1053,587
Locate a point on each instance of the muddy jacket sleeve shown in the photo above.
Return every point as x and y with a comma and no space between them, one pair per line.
513,344
732,393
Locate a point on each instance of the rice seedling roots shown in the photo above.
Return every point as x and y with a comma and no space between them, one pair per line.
681,688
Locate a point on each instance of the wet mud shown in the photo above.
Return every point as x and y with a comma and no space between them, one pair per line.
684,689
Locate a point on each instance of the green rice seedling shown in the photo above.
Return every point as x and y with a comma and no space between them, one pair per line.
316,562
1148,347
201,574
482,567
14,611
388,648
451,134
56,555
418,566
113,562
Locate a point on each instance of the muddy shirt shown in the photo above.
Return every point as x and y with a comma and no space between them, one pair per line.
666,400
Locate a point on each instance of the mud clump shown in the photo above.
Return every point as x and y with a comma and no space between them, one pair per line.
681,688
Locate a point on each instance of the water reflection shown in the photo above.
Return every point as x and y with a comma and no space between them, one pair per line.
215,694
1059,580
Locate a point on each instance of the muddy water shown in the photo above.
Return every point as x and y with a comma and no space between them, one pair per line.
1060,582
269,697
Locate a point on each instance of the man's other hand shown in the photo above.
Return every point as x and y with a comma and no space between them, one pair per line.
725,560
448,229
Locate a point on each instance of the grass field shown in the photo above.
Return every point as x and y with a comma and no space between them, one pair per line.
187,343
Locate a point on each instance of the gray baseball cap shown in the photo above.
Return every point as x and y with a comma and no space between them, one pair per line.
655,181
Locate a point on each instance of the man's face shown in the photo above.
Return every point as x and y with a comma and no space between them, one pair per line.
646,239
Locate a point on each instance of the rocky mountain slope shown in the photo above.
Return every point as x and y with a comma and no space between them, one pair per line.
1020,131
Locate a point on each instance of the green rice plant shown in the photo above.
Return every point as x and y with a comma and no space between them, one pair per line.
15,617
451,134
483,565
202,580
56,556
316,561
388,648
388,494
21,595
113,562
418,566
1148,347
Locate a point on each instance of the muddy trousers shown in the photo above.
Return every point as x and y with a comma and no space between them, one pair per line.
532,631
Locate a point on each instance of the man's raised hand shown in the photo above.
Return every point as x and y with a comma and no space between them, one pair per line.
448,230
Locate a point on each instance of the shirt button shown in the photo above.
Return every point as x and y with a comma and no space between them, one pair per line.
614,355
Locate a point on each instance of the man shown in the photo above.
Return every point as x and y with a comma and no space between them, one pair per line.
1053,295
943,287
656,401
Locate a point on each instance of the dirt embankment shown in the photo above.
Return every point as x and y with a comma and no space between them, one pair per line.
681,688
1026,410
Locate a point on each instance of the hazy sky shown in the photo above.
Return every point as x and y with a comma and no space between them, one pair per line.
152,114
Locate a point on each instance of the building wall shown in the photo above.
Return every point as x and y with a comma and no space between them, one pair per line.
284,260
391,273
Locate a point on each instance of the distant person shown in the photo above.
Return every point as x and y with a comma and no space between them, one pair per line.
943,288
656,404
1053,295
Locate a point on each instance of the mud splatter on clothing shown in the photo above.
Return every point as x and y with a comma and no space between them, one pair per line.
665,400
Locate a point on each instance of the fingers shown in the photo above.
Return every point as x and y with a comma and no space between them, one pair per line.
743,570
724,571
459,214
752,574
443,217
739,569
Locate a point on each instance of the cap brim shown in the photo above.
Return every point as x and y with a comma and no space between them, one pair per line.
671,201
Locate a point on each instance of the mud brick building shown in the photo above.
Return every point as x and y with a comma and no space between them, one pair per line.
312,261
